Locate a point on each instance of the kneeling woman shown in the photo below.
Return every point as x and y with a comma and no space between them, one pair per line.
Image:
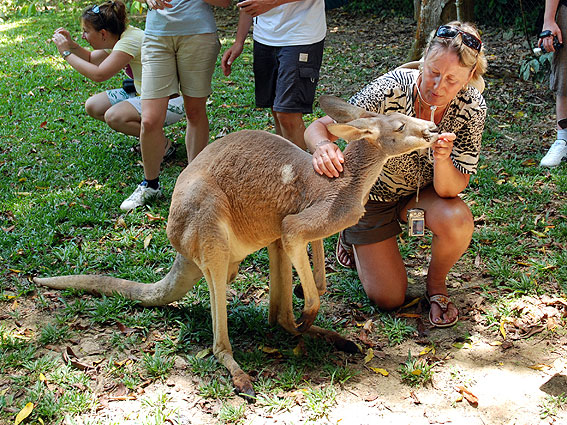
443,90
117,46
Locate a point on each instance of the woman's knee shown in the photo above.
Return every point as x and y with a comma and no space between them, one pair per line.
113,118
386,297
94,108
453,220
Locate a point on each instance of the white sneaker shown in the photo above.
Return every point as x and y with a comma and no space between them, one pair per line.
141,196
555,154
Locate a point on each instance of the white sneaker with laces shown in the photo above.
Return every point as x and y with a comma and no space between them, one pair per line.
555,154
141,196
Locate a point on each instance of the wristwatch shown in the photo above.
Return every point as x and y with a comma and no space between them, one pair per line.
65,53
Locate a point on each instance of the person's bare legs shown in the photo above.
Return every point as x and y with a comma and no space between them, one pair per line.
380,266
382,272
197,133
291,126
151,135
452,224
123,117
561,108
97,105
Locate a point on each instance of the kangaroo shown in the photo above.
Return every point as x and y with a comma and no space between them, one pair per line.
253,189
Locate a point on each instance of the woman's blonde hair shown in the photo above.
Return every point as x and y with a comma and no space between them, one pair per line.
468,56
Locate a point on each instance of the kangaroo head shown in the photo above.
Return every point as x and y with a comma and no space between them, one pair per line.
394,134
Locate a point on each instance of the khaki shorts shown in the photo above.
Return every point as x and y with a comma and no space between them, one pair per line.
558,77
379,222
185,62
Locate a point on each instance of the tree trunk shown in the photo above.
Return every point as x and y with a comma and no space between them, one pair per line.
430,14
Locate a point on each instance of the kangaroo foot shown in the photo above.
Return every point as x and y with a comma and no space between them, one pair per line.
243,387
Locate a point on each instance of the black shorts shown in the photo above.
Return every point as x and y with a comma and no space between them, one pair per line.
379,222
286,77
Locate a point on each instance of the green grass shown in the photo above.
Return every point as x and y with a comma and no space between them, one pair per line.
63,176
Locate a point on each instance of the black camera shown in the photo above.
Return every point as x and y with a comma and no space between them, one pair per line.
556,44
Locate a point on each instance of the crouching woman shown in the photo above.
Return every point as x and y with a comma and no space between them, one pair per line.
445,90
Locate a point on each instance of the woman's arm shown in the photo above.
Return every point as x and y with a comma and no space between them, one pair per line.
97,65
232,53
111,65
447,180
327,156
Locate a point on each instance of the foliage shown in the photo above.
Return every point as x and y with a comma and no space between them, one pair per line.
64,174
415,371
536,68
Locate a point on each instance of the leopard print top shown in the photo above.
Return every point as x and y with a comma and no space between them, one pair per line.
465,116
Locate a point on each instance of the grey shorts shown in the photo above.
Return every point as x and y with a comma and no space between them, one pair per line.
175,108
379,222
558,77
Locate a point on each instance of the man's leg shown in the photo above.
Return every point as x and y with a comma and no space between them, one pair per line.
291,126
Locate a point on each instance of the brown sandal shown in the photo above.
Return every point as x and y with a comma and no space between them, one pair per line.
349,252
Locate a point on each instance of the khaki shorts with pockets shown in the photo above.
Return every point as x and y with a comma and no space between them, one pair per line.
185,62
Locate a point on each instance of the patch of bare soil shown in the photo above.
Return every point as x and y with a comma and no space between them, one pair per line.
481,375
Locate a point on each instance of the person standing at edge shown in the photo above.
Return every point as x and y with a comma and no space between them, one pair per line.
289,36
555,27
179,51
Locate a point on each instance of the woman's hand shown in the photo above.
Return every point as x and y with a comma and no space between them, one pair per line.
443,147
63,41
328,159
159,4
257,7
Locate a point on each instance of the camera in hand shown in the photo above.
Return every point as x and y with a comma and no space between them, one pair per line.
556,44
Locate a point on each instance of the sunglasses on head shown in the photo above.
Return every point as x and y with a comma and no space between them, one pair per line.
469,40
95,9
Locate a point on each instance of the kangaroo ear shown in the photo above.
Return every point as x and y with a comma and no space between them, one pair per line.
355,130
342,111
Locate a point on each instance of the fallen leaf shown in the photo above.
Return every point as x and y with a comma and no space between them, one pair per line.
299,349
426,350
147,241
24,413
269,350
154,217
539,366
412,302
380,371
538,234
43,124
470,397
369,355
502,329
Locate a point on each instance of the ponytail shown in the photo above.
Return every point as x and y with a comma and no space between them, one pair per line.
110,16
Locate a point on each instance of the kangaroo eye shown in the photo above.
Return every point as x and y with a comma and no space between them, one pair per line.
401,127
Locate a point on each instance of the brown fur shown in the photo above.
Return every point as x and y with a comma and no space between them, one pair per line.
253,189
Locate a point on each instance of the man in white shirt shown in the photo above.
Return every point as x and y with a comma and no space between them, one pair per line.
289,36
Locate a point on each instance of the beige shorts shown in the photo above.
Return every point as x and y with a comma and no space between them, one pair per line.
185,62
